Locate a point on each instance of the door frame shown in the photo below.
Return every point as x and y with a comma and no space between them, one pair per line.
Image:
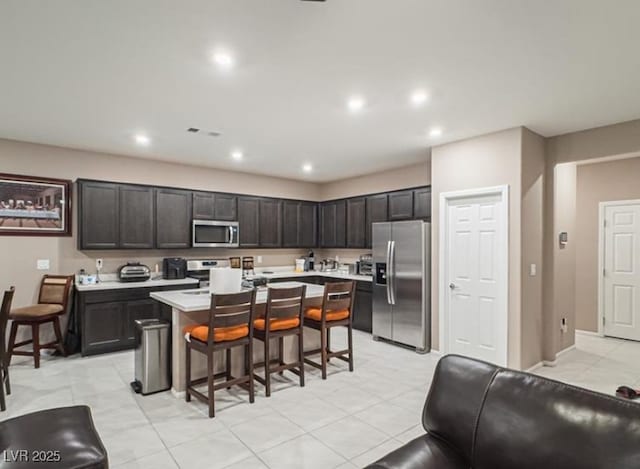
602,206
443,303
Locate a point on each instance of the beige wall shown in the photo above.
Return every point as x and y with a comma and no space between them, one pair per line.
533,166
599,182
400,178
488,160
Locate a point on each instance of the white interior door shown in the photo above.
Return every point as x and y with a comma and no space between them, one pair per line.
621,282
476,278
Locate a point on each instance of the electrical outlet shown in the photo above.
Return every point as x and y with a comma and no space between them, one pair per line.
43,264
533,270
259,260
99,264
564,326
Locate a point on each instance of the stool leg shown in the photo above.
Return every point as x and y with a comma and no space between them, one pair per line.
252,389
3,404
301,358
35,332
323,352
212,412
267,366
228,364
12,341
350,336
328,343
281,352
56,329
187,374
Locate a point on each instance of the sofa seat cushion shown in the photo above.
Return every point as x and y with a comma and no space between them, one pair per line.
316,314
66,434
277,324
425,452
220,334
36,311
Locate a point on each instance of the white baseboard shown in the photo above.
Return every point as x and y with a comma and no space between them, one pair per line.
534,367
566,350
177,394
551,363
435,352
588,333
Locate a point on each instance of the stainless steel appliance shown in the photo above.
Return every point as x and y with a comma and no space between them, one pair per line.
174,268
151,357
365,264
199,269
134,272
214,234
401,283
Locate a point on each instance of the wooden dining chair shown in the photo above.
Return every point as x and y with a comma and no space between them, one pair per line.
5,309
336,310
230,325
284,317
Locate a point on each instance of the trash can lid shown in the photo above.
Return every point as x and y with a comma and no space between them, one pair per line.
151,323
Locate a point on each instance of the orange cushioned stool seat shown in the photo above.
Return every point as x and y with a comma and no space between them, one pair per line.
277,324
220,334
316,314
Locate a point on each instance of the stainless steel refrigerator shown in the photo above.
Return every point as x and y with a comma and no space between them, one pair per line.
401,283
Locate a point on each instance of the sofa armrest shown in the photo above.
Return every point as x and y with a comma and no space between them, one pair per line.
425,452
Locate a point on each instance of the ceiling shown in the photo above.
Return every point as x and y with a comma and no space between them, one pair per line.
92,74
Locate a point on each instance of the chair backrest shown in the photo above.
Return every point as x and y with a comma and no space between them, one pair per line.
285,303
5,309
54,289
338,296
231,309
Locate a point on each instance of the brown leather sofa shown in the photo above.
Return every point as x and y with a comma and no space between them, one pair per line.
63,438
481,416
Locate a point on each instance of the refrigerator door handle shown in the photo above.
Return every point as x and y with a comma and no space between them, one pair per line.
391,268
388,272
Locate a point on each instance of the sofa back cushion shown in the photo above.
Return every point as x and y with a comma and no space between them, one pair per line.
455,399
528,422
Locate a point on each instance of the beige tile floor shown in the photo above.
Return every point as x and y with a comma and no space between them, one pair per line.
347,421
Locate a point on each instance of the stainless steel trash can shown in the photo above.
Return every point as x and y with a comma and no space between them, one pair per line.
152,373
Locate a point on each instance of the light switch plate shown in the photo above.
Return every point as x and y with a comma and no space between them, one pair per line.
43,264
533,270
259,260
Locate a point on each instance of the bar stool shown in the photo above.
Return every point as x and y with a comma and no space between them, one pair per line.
52,303
284,316
336,310
4,362
230,325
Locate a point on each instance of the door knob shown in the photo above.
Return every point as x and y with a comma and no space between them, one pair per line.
452,286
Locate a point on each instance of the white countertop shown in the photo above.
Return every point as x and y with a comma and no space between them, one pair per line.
111,282
200,299
286,272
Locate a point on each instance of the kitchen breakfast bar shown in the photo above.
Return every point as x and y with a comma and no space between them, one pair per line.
192,307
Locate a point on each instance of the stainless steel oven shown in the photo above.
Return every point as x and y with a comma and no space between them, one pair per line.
214,234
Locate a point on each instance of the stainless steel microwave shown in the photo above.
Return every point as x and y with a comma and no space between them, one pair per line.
214,234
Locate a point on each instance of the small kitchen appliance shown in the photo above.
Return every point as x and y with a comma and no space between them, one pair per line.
365,264
134,272
247,266
200,269
214,234
174,268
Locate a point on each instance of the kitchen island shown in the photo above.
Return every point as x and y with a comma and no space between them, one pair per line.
192,307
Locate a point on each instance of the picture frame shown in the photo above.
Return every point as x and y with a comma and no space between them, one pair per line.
34,206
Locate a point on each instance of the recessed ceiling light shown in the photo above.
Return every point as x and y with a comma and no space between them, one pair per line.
142,140
237,155
223,59
435,132
307,167
355,103
419,97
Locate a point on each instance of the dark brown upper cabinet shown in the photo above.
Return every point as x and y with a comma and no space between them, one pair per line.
401,205
137,217
226,207
356,221
173,218
422,203
377,211
333,218
249,221
214,206
270,222
99,214
299,224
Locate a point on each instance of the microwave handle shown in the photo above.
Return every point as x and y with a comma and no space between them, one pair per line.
231,240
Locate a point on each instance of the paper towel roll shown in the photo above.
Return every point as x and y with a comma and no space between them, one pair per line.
225,280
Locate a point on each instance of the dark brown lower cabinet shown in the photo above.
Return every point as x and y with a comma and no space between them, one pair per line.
106,317
363,307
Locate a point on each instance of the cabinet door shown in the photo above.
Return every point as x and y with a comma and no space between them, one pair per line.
362,310
422,204
341,224
328,225
99,215
308,225
102,327
204,206
377,211
249,221
136,217
173,219
356,213
138,309
270,223
401,205
226,207
290,224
